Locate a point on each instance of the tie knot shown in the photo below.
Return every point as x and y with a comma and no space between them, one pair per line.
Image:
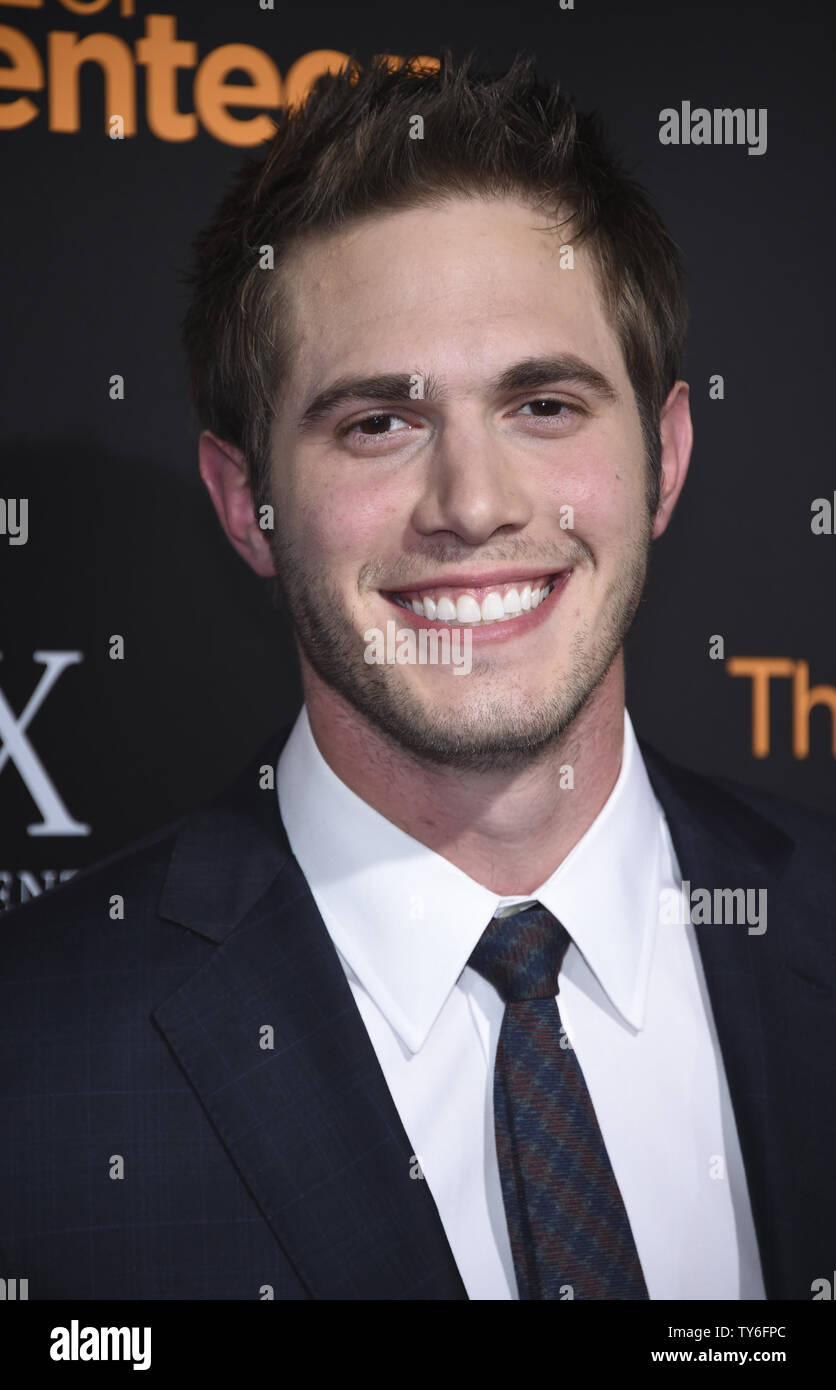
521,955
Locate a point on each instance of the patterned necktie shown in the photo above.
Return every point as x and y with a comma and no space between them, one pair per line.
566,1219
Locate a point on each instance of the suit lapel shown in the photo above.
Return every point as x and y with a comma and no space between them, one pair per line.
771,998
303,1111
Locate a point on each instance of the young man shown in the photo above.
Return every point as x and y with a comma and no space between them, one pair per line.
414,1019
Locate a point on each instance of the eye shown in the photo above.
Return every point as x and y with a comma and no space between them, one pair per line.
556,409
377,423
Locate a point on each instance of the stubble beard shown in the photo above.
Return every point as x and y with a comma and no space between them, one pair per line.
485,733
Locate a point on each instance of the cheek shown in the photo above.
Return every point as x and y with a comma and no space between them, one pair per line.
606,489
345,522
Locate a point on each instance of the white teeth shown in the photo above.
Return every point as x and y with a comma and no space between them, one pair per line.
467,609
492,608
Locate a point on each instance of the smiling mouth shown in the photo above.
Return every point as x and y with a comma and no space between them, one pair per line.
478,607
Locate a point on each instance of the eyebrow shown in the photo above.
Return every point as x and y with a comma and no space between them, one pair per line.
393,388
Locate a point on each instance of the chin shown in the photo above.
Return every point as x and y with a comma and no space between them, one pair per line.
489,734
463,748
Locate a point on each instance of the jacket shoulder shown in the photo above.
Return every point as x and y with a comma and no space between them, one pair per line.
804,823
809,828
85,902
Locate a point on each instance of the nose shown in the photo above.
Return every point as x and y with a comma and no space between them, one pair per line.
472,487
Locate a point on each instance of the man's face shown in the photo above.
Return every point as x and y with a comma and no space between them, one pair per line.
466,500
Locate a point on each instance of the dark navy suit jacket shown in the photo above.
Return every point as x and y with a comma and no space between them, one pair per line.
250,1172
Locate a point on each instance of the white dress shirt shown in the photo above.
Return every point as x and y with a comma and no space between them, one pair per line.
633,1001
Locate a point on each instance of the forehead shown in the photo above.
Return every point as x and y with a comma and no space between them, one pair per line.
459,289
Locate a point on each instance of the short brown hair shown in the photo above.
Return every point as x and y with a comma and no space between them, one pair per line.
346,152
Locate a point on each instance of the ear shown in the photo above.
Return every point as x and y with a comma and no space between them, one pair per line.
677,436
224,470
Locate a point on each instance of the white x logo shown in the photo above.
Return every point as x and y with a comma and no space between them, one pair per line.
56,818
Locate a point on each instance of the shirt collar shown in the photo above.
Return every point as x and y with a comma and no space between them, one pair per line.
406,920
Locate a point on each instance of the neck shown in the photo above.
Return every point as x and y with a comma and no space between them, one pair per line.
507,830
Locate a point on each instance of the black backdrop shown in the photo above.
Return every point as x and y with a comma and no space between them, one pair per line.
122,539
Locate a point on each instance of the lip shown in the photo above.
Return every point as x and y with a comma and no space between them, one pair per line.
490,632
473,579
